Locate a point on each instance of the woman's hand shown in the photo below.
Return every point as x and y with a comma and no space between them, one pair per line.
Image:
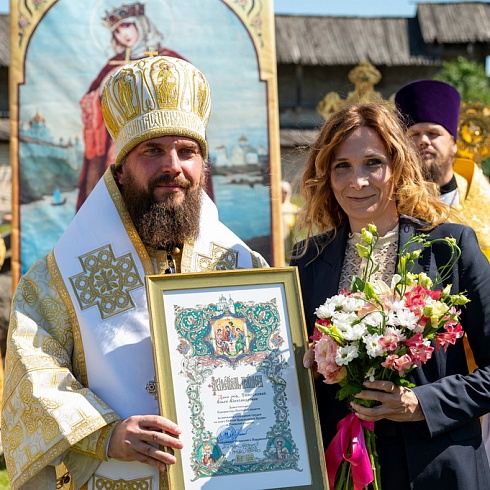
397,403
140,438
309,357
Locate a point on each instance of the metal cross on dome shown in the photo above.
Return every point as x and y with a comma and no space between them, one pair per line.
151,52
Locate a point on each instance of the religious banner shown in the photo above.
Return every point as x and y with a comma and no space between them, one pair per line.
62,51
228,350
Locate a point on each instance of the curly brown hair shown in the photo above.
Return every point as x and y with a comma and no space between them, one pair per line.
413,195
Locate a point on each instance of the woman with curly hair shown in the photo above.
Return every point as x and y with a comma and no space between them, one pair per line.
362,169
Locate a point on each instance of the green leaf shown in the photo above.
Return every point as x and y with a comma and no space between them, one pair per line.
350,389
357,284
369,291
404,382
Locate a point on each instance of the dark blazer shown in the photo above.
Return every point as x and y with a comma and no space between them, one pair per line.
446,450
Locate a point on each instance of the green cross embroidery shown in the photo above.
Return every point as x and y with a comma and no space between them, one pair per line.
106,281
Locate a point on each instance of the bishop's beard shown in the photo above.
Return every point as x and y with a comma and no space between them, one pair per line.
165,224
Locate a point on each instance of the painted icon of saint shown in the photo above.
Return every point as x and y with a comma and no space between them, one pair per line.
133,33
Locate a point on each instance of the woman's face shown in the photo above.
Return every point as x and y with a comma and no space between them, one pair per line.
126,34
361,179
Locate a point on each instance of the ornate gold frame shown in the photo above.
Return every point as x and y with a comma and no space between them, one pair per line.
192,369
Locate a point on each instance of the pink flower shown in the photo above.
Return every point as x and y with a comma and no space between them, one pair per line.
421,354
444,339
404,363
390,361
387,299
325,352
317,335
417,297
336,377
420,350
401,364
367,308
451,319
389,341
414,341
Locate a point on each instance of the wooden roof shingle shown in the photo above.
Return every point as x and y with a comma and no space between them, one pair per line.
459,22
4,40
319,40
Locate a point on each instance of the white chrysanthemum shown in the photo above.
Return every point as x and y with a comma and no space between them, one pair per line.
343,320
374,319
404,318
352,304
325,311
391,317
373,348
397,305
338,299
395,331
355,332
330,306
346,354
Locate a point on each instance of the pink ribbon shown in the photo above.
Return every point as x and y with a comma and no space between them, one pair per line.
350,440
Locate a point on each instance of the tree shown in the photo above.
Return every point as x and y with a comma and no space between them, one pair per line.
468,77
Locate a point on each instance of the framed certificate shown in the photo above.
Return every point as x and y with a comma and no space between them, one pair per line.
228,350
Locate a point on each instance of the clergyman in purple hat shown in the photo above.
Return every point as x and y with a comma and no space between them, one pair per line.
430,110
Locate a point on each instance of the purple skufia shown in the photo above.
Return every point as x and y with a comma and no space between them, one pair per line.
429,101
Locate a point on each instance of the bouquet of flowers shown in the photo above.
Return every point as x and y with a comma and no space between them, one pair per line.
380,332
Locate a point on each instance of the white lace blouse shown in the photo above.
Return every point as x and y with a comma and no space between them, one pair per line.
385,255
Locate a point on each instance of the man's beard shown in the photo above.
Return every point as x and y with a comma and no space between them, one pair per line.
435,168
166,224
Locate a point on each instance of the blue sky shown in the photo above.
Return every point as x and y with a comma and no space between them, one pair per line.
375,8
405,8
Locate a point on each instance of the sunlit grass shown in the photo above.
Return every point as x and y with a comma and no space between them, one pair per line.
4,481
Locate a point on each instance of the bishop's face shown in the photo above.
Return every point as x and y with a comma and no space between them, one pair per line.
161,180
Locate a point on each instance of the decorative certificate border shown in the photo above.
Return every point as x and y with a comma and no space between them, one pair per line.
228,352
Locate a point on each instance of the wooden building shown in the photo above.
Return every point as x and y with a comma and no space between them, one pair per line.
316,54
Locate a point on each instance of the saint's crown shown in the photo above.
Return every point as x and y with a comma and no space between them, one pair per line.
118,14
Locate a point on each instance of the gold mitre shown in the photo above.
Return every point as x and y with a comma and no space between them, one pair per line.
156,96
